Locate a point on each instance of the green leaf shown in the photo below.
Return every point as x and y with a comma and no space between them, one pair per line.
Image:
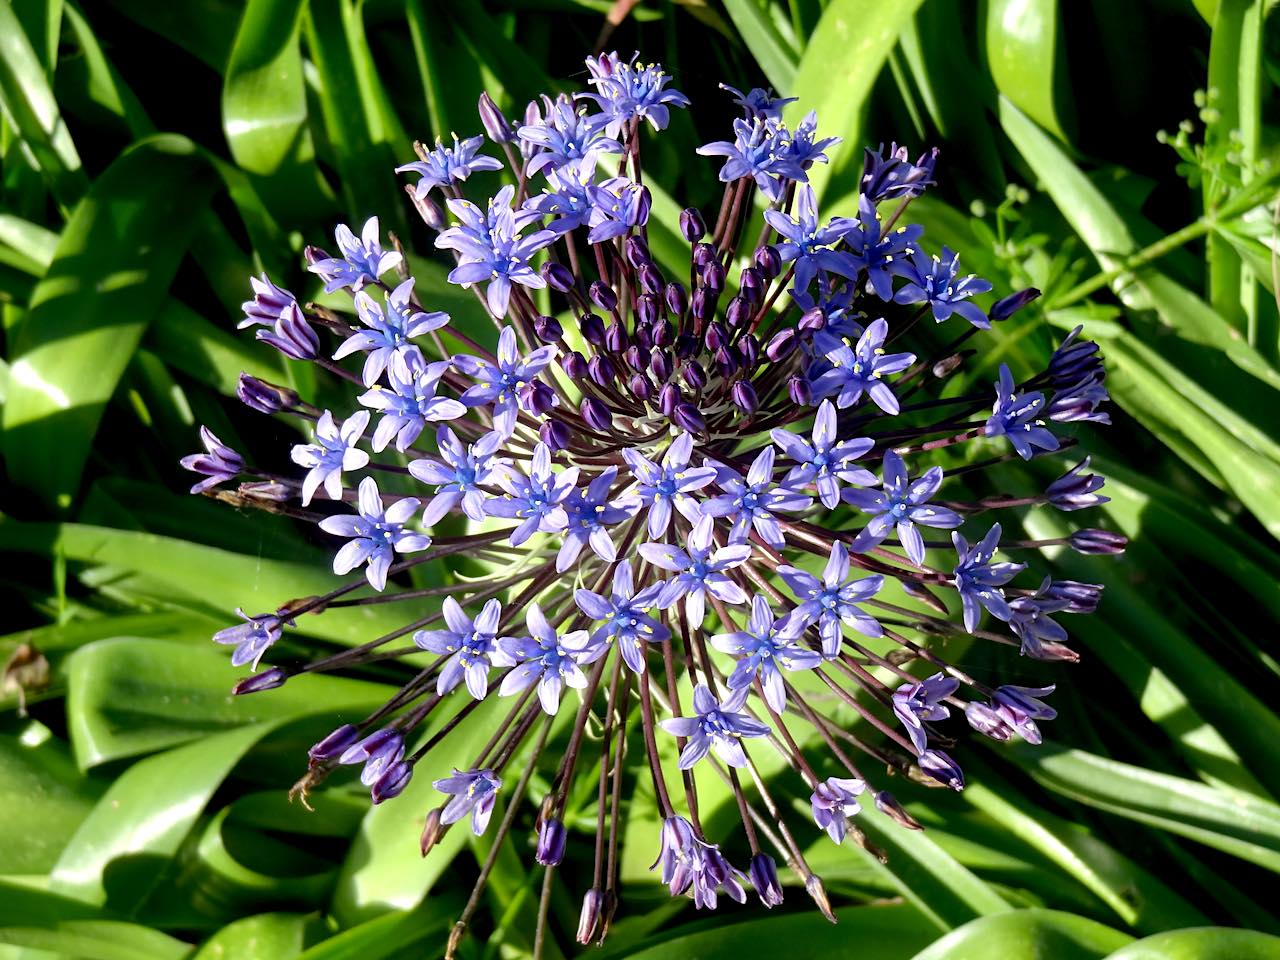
113,264
773,54
840,63
1239,824
883,932
1023,53
28,103
1206,943
98,940
1028,933
268,936
389,937
130,695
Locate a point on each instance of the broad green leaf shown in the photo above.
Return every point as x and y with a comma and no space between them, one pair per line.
98,940
267,936
31,239
1239,824
884,932
1028,933
130,695
1023,53
839,66
207,353
774,55
111,269
1203,943
142,819
389,937
204,28
24,905
28,103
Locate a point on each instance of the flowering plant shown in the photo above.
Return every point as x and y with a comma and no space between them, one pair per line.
712,503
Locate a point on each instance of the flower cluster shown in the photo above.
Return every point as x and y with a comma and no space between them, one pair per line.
682,489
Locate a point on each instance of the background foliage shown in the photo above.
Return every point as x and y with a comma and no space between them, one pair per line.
154,155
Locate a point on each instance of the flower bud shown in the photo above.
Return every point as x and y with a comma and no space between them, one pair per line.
273,491
668,399
1092,541
601,370
768,261
688,417
257,682
800,392
686,346
1006,307
495,124
596,414
738,312
751,285
703,303
641,388
548,329
695,375
716,336
637,252
642,337
939,766
813,319
1076,490
334,745
744,396
647,309
634,358
558,276
726,359
536,397
888,804
1079,597
713,276
575,366
590,917
432,831
677,299
749,350
692,227
616,338
264,397
602,296
430,211
781,345
763,873
987,721
664,333
650,278
592,329
555,434
292,335
660,365
392,782
703,254
947,366
551,842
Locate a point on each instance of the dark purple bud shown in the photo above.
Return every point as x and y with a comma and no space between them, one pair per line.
738,312
781,345
983,718
713,276
334,744
677,299
813,319
637,252
641,206
703,254
668,399
643,336
800,392
634,359
392,782
647,308
432,831
1079,597
495,124
692,226
1074,361
548,329
768,261
292,335
641,387
592,329
1075,489
888,804
749,349
751,285
590,917
596,414
601,370
716,336
1006,307
602,296
537,397
551,842
695,375
726,359
257,682
688,417
703,303
555,434
686,345
660,364
1098,542
664,333
651,280
615,337
558,276
764,877
940,767
575,366
744,396
264,397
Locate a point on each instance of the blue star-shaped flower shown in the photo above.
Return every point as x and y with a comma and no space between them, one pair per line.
716,725
833,600
860,369
700,570
376,533
623,616
752,501
900,504
767,644
934,281
824,462
978,580
1017,416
